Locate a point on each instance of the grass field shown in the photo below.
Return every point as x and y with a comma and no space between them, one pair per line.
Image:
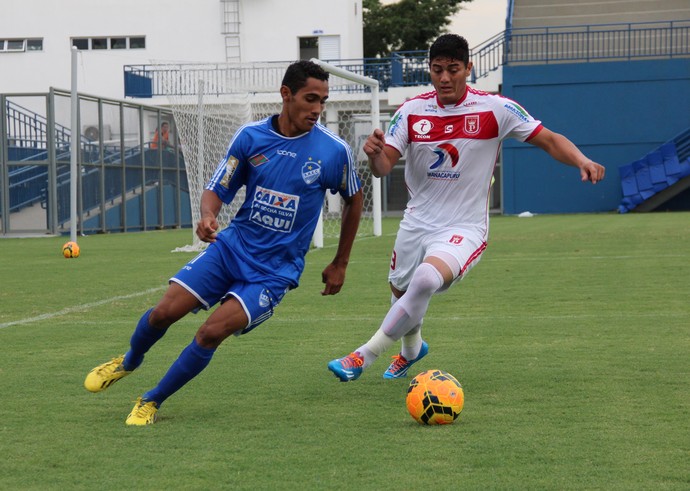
571,338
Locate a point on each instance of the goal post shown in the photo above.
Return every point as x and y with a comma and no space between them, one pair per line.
207,117
375,182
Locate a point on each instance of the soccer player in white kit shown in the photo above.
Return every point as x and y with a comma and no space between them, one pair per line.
452,137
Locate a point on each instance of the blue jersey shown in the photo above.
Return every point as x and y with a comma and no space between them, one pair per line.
286,179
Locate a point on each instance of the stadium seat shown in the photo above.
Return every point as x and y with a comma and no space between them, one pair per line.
657,172
685,168
631,195
671,162
643,178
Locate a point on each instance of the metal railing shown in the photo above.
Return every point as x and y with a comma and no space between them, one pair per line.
563,44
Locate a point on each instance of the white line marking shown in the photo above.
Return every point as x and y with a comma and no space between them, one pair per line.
78,308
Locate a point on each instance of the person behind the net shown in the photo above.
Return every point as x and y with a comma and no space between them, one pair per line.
287,163
452,137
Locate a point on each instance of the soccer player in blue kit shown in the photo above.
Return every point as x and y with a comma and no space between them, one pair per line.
287,163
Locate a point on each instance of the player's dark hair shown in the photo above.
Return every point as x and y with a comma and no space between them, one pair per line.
450,46
297,74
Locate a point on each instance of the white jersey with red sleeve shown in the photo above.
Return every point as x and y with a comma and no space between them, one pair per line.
451,154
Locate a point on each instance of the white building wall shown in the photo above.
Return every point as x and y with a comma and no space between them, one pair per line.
271,29
177,30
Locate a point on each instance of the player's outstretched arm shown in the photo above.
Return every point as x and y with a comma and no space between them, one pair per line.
208,225
565,151
334,274
381,158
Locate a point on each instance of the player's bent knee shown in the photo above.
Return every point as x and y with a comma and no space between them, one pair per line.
212,335
426,279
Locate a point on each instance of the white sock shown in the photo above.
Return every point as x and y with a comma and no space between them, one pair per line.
412,343
409,310
373,348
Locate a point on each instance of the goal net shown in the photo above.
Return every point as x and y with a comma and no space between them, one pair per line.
218,101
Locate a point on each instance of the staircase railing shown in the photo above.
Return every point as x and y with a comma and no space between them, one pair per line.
539,45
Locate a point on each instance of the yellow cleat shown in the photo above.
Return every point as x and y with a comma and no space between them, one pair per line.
105,375
144,413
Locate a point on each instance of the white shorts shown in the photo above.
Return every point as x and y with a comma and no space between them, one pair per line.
412,246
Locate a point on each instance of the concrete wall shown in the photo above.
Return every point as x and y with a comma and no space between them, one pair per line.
177,30
614,112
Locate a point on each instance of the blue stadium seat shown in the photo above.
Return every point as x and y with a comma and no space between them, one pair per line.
643,178
631,195
657,172
671,162
685,168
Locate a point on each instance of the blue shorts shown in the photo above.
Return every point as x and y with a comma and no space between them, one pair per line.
213,276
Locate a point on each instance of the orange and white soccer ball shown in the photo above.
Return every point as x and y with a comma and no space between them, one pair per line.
435,397
70,250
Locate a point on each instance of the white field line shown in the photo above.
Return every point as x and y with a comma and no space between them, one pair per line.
78,308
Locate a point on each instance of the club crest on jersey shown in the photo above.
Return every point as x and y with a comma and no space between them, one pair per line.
472,124
310,172
264,298
230,167
274,210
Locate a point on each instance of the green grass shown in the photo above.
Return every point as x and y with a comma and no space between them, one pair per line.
571,338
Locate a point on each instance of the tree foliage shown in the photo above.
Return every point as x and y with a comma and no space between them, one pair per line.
406,25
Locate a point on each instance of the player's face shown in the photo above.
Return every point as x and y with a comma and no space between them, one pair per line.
304,107
449,77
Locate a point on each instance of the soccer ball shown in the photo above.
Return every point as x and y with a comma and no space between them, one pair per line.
435,397
70,249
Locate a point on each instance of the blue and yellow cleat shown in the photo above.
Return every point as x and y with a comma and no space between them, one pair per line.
400,365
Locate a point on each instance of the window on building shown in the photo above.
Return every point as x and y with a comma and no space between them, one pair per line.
138,42
99,43
118,43
80,43
308,48
16,44
34,44
19,45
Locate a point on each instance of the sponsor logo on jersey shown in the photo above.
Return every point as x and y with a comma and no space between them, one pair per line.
431,108
343,181
444,151
394,124
517,110
274,210
258,159
430,129
287,153
422,128
230,167
311,171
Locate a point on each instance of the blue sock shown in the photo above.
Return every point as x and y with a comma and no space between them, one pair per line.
188,365
143,338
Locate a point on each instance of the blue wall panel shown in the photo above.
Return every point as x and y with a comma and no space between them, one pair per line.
614,112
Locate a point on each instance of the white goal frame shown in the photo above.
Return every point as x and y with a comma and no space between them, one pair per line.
375,183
